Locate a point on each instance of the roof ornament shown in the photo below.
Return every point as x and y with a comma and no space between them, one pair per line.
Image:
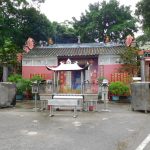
19,57
29,44
79,39
76,62
50,41
61,62
129,40
42,43
96,40
68,61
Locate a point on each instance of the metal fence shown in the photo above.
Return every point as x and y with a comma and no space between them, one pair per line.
85,88
90,88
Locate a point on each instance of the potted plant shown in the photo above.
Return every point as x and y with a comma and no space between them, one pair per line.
27,88
20,85
117,89
20,89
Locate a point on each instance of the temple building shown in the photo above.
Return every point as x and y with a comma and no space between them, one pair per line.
99,60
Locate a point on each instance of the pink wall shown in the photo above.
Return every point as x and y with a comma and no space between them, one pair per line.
29,71
109,69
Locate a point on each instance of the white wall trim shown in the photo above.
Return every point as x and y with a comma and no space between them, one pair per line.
40,61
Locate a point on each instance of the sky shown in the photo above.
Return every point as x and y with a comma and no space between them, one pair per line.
61,10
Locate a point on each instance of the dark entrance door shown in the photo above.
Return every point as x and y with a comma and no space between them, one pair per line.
76,79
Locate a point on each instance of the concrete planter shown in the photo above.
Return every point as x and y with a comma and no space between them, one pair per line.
7,94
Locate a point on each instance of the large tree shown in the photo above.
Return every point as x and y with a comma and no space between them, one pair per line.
105,19
63,33
10,18
130,60
34,24
11,31
8,56
143,13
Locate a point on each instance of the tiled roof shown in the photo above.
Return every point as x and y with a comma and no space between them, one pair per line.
74,50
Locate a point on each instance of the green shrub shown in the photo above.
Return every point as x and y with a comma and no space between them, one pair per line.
21,83
118,88
14,78
21,87
36,78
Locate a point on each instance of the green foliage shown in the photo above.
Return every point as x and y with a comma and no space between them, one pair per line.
12,20
63,33
8,56
143,14
14,78
21,83
142,39
143,10
17,79
105,19
36,78
118,88
130,61
8,53
20,19
9,11
35,25
20,86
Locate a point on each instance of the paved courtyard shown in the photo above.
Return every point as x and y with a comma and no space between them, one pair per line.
21,128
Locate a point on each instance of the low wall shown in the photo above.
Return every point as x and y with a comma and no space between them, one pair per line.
7,94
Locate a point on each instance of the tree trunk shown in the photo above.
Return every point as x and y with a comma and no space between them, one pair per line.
5,73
